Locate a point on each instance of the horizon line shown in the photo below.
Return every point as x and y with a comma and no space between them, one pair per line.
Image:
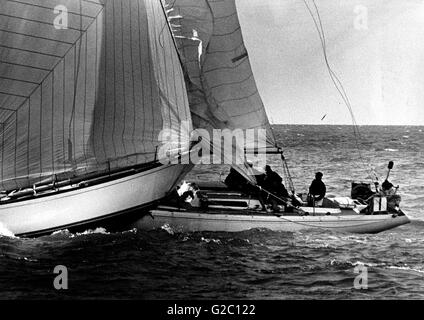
350,125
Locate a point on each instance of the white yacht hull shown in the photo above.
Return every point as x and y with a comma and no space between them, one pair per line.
92,204
192,221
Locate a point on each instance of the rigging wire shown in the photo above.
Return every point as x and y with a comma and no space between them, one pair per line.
337,82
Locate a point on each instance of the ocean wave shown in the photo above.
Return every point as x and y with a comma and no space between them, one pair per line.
214,237
29,259
17,257
406,268
90,231
67,234
343,264
217,241
168,229
133,230
64,232
391,150
347,263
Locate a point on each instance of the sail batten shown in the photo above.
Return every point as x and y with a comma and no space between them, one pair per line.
90,97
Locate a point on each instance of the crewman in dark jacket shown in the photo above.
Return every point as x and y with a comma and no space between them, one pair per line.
274,183
317,190
235,181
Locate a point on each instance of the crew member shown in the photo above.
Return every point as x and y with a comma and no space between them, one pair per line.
274,183
235,180
317,190
387,188
389,191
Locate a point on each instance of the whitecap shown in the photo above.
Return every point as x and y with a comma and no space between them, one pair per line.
357,263
97,230
391,150
211,240
168,229
133,230
30,260
87,232
5,232
61,232
368,264
406,268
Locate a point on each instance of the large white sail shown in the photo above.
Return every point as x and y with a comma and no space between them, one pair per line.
86,96
222,88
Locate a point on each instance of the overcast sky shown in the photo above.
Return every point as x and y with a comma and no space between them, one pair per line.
375,46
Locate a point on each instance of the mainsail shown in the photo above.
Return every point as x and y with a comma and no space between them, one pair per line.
85,86
221,87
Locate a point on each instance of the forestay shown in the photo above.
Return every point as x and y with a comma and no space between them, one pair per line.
92,96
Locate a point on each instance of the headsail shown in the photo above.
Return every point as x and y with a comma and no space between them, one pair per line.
90,96
221,86
223,93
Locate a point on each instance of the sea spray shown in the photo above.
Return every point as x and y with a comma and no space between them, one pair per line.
168,229
5,232
90,232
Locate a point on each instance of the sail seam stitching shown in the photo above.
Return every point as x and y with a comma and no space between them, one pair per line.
60,60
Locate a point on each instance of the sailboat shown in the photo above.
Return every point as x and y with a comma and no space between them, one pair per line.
222,94
86,87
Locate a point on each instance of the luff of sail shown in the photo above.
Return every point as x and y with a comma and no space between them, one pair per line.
221,87
90,97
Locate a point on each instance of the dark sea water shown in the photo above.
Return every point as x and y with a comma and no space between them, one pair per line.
254,264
